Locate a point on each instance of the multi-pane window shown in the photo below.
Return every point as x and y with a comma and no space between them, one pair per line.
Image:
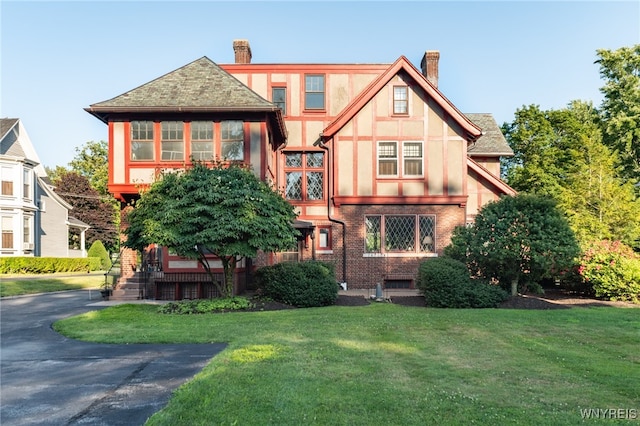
409,164
400,100
232,140
141,140
412,156
314,91
399,234
26,184
202,140
26,230
279,97
305,176
172,142
6,222
388,158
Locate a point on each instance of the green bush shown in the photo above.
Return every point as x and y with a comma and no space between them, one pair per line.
203,306
304,284
47,265
97,249
445,283
612,269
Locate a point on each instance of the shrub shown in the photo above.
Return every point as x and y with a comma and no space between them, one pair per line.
612,269
97,250
47,265
304,284
203,306
445,283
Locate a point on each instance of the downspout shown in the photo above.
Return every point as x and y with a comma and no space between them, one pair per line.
331,218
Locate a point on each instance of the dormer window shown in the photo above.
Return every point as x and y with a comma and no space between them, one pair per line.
400,100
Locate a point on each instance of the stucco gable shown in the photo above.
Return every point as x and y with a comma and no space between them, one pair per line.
471,131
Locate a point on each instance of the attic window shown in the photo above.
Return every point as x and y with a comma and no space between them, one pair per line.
314,91
400,100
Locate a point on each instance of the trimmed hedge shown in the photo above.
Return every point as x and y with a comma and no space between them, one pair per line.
305,284
445,283
48,265
97,250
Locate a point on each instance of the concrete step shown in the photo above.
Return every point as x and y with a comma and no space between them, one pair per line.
125,294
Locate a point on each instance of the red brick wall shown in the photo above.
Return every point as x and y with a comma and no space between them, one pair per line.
366,272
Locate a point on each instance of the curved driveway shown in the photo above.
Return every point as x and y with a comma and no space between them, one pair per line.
47,379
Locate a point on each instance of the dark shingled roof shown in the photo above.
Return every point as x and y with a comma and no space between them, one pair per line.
200,85
492,142
6,124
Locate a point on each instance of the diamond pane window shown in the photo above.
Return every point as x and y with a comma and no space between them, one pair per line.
427,228
305,175
314,185
400,233
373,233
294,186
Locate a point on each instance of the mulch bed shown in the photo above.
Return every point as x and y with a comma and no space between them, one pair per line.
552,299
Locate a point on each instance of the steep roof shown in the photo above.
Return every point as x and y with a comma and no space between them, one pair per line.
6,124
492,142
198,87
472,132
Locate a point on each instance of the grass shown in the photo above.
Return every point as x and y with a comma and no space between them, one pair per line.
15,285
389,364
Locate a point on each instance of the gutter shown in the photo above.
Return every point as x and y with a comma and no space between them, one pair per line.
332,219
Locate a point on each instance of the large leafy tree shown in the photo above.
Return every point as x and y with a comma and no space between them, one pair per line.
621,105
516,240
90,207
218,209
560,154
92,161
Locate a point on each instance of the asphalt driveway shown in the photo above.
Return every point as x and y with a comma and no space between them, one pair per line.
47,379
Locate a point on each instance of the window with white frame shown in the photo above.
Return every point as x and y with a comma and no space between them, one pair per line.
6,223
172,142
232,140
27,222
6,181
399,234
304,172
202,140
26,184
142,140
314,91
407,162
400,100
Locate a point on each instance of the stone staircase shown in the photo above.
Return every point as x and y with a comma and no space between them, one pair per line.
129,288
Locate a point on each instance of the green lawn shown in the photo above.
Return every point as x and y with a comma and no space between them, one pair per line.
392,365
15,285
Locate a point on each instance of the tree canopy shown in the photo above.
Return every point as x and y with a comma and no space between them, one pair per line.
218,209
621,105
90,207
560,154
516,240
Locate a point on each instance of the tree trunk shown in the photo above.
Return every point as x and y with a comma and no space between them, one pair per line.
514,287
229,266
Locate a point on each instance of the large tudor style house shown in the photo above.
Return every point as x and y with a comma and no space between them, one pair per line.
379,164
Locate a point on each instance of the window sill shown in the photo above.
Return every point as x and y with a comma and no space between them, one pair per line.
420,255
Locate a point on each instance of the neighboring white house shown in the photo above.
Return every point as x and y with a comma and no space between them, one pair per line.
34,220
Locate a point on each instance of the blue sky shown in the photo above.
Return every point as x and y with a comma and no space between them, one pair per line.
495,56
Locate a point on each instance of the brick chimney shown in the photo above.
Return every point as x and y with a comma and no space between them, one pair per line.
243,51
429,65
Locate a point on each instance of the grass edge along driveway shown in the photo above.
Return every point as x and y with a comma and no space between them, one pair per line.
393,365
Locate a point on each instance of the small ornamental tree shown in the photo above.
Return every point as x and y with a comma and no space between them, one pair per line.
219,209
516,240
